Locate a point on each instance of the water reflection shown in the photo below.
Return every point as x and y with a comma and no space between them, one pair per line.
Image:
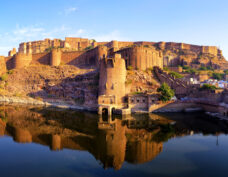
134,139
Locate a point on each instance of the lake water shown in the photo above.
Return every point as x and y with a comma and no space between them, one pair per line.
36,142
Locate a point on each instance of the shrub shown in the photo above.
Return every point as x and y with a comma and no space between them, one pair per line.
217,76
191,71
4,77
186,67
207,87
49,49
10,71
209,68
165,68
176,75
130,68
137,93
203,68
88,48
166,92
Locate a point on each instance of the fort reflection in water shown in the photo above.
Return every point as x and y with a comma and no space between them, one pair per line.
134,139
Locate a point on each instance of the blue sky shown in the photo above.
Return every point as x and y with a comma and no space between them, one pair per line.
202,22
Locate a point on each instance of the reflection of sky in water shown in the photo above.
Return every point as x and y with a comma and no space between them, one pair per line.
189,155
142,147
186,156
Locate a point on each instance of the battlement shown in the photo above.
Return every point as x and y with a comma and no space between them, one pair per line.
140,54
194,48
75,44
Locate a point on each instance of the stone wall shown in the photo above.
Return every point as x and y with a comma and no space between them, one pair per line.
41,58
70,57
140,57
2,65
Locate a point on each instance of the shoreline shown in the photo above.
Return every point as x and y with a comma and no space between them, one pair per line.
28,101
34,102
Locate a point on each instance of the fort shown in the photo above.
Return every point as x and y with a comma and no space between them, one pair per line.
112,62
139,55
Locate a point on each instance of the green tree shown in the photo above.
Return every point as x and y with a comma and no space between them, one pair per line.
166,92
217,76
203,68
208,87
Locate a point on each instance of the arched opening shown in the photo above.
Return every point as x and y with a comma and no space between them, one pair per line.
110,63
105,114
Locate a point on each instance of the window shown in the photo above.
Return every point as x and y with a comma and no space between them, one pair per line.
132,100
144,100
137,100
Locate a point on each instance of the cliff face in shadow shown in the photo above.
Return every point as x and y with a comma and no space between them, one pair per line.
134,139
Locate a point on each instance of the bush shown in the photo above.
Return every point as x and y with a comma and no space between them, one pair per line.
208,87
203,68
137,93
186,67
4,77
88,48
166,92
209,68
191,71
10,72
176,75
217,76
130,68
165,68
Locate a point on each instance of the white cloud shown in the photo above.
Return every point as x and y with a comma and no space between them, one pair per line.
35,32
70,10
20,34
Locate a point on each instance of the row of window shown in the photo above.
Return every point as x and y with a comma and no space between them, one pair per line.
137,100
